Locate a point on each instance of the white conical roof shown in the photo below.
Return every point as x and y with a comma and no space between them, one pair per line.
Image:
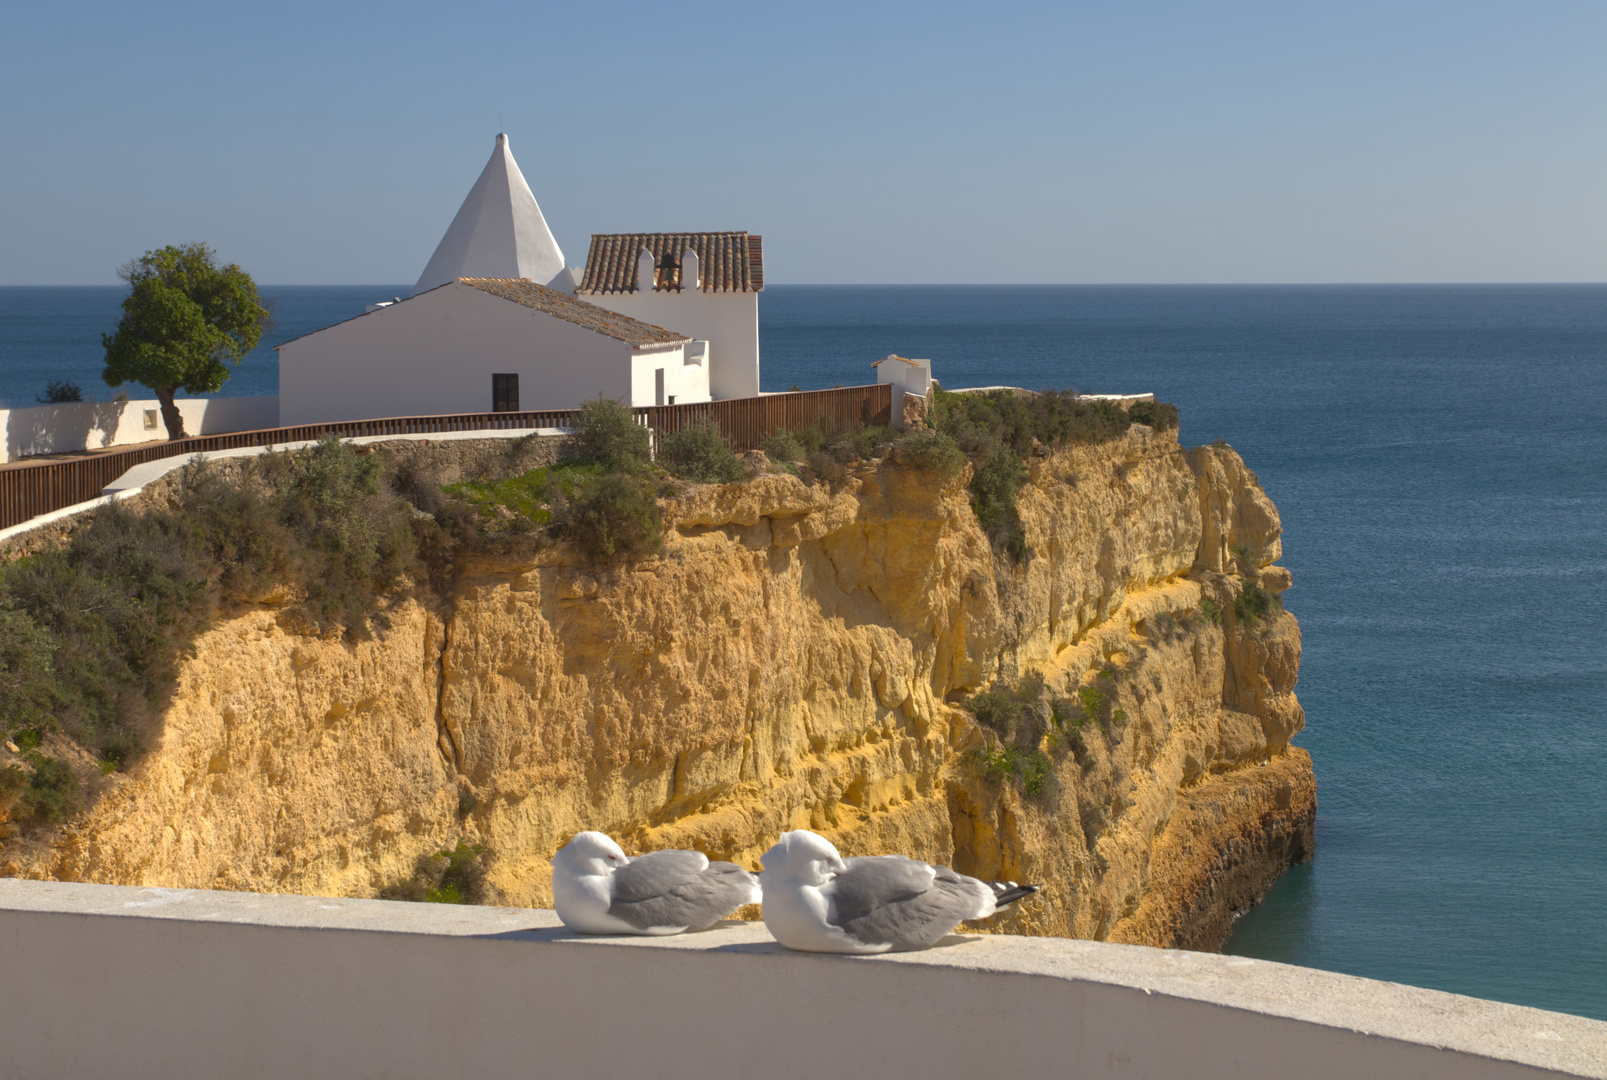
499,233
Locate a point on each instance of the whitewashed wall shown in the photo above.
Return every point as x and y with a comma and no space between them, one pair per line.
436,353
729,321
107,981
94,425
684,381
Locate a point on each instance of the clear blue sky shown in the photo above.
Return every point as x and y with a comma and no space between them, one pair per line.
931,142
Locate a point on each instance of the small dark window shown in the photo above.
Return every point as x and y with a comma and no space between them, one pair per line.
504,393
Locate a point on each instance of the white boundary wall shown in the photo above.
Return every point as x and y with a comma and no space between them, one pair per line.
101,980
94,425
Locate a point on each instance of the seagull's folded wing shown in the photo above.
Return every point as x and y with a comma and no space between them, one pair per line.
921,920
679,890
873,881
656,873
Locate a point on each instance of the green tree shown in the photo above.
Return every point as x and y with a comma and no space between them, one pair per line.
184,320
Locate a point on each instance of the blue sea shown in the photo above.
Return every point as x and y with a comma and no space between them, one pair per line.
1439,456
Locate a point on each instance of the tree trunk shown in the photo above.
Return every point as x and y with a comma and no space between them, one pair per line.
170,412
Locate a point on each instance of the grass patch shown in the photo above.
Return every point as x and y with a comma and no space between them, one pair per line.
526,495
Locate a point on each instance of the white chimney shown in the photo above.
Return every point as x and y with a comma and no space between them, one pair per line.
644,271
689,271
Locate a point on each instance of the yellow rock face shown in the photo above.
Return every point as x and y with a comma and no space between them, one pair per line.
792,660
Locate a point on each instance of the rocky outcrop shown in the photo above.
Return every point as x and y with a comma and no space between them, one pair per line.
794,658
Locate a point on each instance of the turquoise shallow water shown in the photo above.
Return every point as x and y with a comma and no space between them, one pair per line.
1439,456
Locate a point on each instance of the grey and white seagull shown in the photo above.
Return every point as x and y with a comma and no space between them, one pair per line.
598,889
817,901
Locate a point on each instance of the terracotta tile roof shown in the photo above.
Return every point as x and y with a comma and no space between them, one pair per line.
571,309
730,261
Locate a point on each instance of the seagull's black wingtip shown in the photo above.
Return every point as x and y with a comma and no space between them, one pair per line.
1014,893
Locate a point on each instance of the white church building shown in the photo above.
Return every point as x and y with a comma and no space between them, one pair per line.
499,322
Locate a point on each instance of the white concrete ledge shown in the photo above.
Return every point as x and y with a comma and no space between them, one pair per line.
99,980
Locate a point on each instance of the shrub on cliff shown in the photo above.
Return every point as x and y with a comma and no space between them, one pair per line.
455,876
26,672
349,540
698,453
826,448
1254,604
1023,721
51,794
1160,415
12,780
784,445
92,632
929,449
1013,712
607,433
617,516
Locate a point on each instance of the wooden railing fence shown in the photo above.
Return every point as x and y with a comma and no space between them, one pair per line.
28,490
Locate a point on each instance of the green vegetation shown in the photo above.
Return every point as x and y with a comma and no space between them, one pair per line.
1254,604
1012,712
185,319
926,448
1211,610
1032,769
1025,719
823,450
1091,699
60,391
525,495
52,792
699,454
602,496
1157,414
90,634
457,876
784,446
607,433
617,516
999,430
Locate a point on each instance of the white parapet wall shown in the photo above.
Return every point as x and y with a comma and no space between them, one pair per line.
95,425
103,981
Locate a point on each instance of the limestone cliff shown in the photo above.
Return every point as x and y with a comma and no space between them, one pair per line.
794,658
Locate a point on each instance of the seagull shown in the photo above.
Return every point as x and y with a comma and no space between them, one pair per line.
817,901
598,889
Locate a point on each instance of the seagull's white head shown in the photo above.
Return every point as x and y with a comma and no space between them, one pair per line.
804,855
590,853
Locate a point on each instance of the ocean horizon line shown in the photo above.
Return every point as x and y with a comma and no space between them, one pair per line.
972,285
